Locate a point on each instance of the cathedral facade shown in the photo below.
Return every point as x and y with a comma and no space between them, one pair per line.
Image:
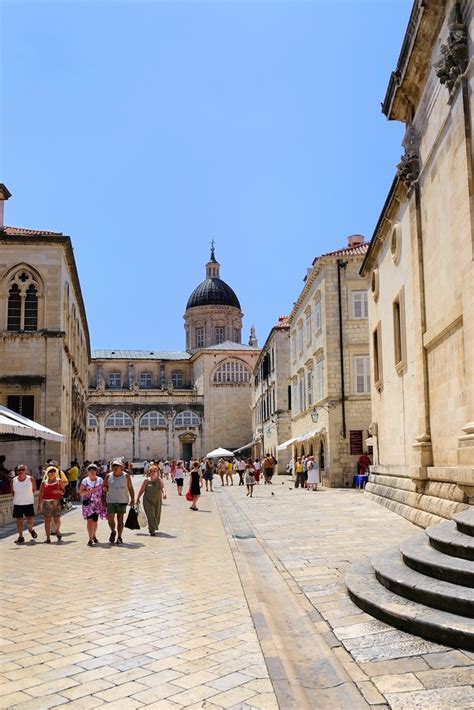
158,404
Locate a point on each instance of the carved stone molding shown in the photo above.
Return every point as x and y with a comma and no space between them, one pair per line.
408,169
454,54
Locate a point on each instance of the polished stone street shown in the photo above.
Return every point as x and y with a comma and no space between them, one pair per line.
240,605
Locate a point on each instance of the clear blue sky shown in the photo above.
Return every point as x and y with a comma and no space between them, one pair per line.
145,129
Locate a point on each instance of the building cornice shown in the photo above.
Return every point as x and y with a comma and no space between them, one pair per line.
318,264
66,242
264,350
407,81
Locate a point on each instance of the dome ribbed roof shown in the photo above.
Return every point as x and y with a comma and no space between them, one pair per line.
213,292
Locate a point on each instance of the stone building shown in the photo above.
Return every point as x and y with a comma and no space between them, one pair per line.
271,395
419,269
159,404
44,347
329,364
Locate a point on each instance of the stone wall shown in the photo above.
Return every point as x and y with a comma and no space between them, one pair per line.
50,363
422,254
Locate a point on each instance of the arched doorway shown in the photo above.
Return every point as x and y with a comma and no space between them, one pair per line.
187,440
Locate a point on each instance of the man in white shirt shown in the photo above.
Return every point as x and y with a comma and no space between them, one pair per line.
22,488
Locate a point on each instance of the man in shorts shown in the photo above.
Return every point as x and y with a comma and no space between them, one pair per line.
22,488
118,489
268,468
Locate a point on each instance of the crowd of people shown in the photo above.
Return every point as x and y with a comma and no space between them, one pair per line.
106,490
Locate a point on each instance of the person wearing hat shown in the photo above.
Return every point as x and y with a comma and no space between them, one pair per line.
119,493
93,506
49,503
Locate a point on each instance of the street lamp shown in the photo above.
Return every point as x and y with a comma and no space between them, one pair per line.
332,403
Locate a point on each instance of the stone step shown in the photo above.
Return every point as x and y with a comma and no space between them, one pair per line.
433,624
465,521
448,539
400,579
418,554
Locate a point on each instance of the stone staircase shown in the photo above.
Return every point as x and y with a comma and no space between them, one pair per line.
424,586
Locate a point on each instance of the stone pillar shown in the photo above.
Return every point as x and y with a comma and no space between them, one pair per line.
101,433
136,437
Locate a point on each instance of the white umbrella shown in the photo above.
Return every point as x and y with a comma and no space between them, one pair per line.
217,453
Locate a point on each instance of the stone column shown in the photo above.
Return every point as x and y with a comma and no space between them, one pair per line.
101,433
136,437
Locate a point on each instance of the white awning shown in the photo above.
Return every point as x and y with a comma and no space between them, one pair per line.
286,444
245,446
310,434
13,423
9,426
219,453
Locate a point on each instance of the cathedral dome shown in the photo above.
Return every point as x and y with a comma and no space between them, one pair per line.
213,292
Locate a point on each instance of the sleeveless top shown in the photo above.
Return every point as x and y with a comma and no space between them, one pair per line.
152,491
118,490
52,491
23,492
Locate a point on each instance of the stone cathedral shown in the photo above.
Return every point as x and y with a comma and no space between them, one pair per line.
150,404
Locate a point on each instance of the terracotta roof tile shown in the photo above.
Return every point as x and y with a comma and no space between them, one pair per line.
23,232
358,250
282,323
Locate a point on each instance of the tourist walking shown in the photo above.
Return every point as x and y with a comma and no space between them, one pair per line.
49,503
257,467
195,484
22,488
209,474
313,474
221,470
93,506
173,470
299,471
268,468
249,477
179,474
241,471
72,476
119,493
153,492
229,473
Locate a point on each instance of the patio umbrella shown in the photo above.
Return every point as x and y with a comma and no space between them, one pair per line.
217,453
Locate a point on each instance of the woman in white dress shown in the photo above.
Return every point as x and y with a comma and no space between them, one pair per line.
313,474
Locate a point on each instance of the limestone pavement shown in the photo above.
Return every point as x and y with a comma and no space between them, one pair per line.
241,605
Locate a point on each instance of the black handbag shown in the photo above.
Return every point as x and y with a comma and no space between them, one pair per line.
132,520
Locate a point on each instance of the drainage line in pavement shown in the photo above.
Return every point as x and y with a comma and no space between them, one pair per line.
303,669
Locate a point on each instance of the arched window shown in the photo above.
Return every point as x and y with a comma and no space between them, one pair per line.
187,418
92,422
31,308
177,379
118,420
23,289
231,372
14,308
152,419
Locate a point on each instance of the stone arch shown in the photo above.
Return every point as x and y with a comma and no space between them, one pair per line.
232,371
